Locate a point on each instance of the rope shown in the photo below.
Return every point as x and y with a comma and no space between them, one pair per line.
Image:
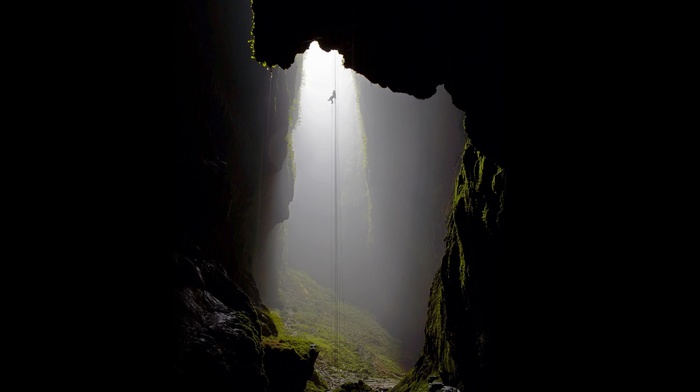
336,314
340,216
337,269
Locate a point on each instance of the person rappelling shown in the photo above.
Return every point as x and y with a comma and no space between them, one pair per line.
332,97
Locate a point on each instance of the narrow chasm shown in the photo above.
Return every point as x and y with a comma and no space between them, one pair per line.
338,221
372,177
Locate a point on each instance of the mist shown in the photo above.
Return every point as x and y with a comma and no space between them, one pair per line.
373,179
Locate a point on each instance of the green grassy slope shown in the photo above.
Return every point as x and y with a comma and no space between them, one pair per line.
362,349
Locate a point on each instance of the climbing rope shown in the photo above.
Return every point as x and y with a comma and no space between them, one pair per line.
337,265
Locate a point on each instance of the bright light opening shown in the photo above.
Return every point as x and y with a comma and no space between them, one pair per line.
330,180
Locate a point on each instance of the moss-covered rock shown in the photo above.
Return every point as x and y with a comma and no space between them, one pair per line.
289,360
459,331
316,384
289,364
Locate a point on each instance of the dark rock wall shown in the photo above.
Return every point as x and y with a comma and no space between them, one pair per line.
218,344
230,123
407,46
461,328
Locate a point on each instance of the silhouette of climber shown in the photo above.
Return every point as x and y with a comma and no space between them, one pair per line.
332,96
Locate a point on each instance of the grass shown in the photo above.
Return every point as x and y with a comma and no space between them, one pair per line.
361,349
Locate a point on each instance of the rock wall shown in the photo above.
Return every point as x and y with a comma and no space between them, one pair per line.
231,119
461,328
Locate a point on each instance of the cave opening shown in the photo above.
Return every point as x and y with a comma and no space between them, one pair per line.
254,272
373,172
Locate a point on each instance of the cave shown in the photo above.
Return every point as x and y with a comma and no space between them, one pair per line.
222,182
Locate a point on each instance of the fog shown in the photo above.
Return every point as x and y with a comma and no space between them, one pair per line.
368,213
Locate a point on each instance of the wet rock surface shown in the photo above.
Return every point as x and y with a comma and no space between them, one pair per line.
381,384
218,334
336,379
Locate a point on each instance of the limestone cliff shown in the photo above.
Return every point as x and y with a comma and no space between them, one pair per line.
461,327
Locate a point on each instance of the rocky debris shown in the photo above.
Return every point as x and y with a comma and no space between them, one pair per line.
358,386
335,378
437,386
381,384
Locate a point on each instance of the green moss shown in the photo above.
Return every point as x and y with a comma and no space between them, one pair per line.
435,326
437,354
478,170
251,42
361,347
284,340
498,187
412,383
298,344
293,115
458,192
463,267
316,384
275,316
481,204
293,119
291,162
499,171
485,214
